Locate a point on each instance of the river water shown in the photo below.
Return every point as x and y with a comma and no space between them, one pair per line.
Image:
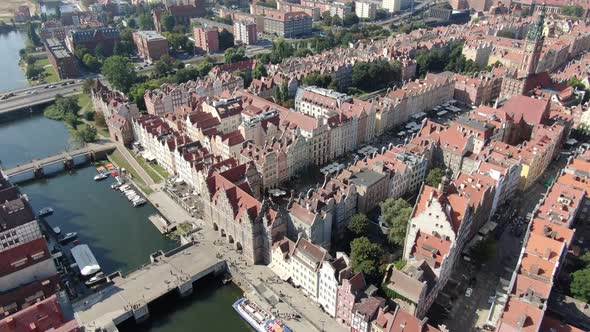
120,236
12,76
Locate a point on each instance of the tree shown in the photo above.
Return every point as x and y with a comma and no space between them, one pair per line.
71,120
164,66
226,40
365,257
119,72
34,72
303,52
131,23
505,33
86,134
350,19
484,250
30,60
145,22
359,225
87,3
259,71
580,286
336,20
79,52
61,107
320,80
167,21
88,85
99,119
232,55
372,76
100,51
32,35
572,10
395,213
91,62
434,177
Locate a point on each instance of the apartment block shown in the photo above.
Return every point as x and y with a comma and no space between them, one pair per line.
245,33
366,10
287,25
62,60
151,45
206,39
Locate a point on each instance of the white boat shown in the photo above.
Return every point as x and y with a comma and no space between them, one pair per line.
85,259
139,202
68,237
97,279
100,176
124,187
46,211
57,230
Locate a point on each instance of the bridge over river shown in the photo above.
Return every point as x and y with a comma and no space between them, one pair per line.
59,162
129,296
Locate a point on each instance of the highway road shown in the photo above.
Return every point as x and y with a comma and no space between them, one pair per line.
40,94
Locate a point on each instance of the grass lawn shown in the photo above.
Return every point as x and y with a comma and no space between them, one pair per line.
148,169
118,159
50,74
85,103
160,170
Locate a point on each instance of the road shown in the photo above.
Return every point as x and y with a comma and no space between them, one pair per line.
24,98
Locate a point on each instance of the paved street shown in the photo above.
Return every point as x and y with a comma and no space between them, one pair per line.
491,279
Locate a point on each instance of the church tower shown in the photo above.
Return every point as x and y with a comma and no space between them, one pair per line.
533,47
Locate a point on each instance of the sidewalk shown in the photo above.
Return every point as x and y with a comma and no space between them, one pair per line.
142,173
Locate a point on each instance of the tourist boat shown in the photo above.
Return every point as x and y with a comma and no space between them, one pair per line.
252,313
99,278
258,318
57,230
68,237
46,211
115,185
101,176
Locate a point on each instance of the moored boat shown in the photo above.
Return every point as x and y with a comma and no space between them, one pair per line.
68,237
101,176
46,211
252,313
99,278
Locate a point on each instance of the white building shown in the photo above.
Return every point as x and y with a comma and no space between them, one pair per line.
393,6
366,10
330,273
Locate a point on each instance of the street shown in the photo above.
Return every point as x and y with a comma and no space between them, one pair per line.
461,312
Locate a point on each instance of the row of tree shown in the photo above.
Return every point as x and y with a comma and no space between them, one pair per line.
439,59
66,109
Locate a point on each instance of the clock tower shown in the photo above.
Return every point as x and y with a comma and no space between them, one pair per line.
533,47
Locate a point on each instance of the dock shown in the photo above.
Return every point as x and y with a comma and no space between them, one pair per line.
129,296
163,225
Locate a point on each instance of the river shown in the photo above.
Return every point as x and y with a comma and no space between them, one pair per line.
12,76
120,235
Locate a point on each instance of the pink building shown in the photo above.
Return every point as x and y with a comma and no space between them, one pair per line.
348,293
206,39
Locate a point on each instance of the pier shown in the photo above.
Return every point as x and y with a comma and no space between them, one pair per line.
59,162
129,296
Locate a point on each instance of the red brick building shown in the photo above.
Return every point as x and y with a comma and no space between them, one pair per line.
206,39
62,60
90,39
47,315
150,45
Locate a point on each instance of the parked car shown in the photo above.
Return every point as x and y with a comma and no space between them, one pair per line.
468,292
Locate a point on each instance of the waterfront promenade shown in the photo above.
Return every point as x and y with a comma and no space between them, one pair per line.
129,296
257,279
